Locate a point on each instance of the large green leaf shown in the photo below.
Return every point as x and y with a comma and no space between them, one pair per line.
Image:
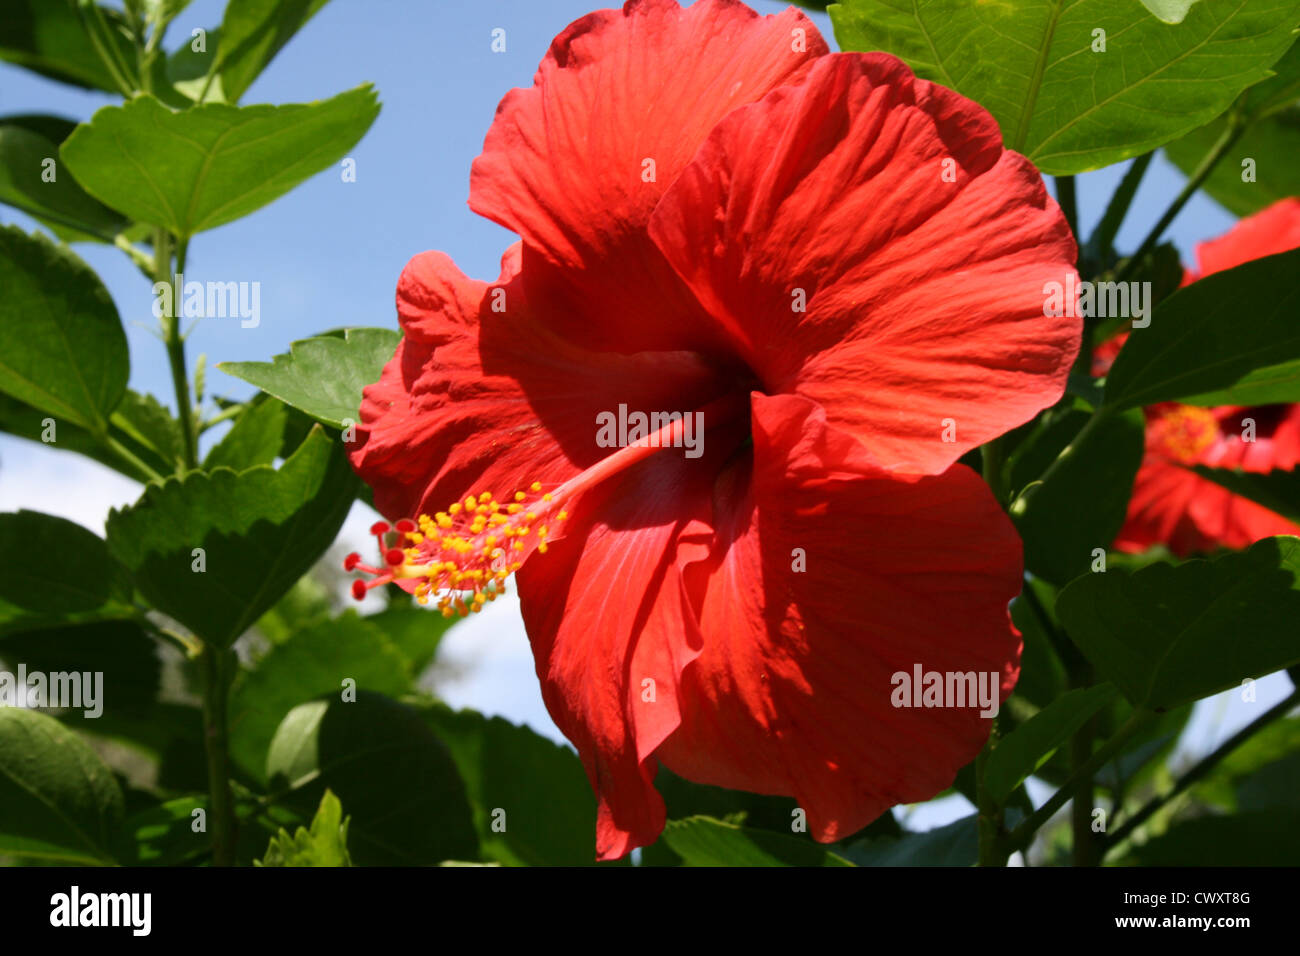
47,36
62,348
323,376
954,844
1199,346
259,529
55,566
397,780
59,803
28,160
1170,634
254,31
214,163
1262,838
1081,505
313,662
534,791
1030,745
1066,107
415,631
703,841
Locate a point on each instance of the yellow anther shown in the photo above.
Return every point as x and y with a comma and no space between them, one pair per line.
520,496
535,486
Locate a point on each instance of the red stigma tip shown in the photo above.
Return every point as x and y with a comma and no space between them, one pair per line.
380,527
351,561
394,556
358,589
405,526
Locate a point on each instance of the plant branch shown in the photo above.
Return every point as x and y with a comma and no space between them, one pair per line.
218,672
1202,769
1101,244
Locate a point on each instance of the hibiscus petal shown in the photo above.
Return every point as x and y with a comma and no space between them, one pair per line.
483,396
611,631
1266,233
564,164
791,693
923,299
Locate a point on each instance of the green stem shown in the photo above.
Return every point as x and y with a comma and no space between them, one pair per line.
1085,846
990,815
1082,775
218,671
1101,414
1231,133
1069,203
109,59
127,456
1101,244
221,416
175,343
1202,769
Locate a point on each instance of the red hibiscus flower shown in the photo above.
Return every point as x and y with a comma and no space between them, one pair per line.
835,271
1171,504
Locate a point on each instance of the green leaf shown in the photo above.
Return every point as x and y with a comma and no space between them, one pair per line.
255,438
1263,838
325,844
397,780
536,789
62,348
187,69
313,662
1169,634
1278,491
1272,143
956,844
323,376
1032,744
1198,345
253,32
46,36
415,631
703,841
1081,505
27,161
1066,107
259,530
59,803
148,422
164,835
212,164
118,649
20,419
55,566
1271,385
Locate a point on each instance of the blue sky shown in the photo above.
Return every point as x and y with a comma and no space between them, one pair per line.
330,252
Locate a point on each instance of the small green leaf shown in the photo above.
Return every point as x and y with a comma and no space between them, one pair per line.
1167,634
59,803
28,160
1059,98
148,422
212,164
323,376
325,844
164,835
55,566
1032,744
1278,491
315,661
48,38
397,780
255,438
62,348
253,32
536,787
1198,342
258,530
